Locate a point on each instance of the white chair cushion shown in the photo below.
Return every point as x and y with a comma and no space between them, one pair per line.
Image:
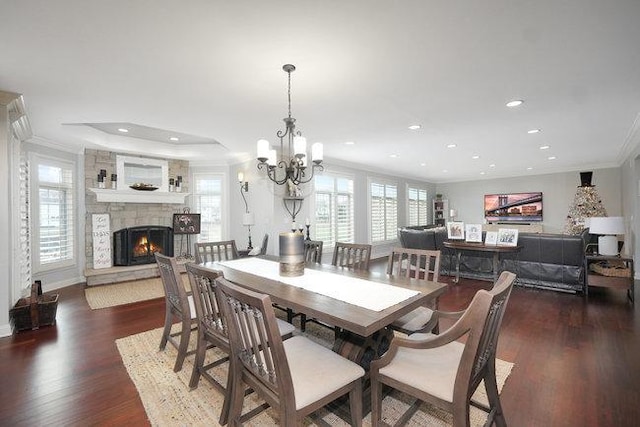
192,307
415,320
285,327
432,371
317,371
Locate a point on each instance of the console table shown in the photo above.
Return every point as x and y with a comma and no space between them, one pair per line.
621,276
459,246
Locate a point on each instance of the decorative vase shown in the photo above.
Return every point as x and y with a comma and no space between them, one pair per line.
291,254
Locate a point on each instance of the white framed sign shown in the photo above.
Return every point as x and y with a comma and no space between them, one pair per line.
101,232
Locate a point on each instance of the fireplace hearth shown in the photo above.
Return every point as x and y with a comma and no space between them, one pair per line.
137,245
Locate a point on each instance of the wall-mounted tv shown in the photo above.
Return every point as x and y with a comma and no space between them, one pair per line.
513,207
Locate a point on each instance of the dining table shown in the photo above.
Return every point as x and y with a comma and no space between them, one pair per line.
361,304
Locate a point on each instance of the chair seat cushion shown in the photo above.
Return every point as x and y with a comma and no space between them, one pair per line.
192,307
317,371
415,320
285,328
432,371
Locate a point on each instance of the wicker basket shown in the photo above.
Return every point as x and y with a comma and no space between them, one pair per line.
611,269
33,312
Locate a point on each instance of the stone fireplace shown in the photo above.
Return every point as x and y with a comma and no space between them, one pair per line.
137,245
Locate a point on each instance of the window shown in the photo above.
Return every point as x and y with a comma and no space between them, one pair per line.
54,207
208,202
333,209
384,211
417,206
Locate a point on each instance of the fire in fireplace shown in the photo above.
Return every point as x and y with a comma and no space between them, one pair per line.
137,245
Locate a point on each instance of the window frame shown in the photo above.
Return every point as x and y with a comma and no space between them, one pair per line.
419,188
222,177
335,176
386,183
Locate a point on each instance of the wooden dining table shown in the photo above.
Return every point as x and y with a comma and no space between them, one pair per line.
365,334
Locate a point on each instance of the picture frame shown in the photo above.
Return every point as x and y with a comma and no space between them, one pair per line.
455,230
507,236
491,238
186,223
473,233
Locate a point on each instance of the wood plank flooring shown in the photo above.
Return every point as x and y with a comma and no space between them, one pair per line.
577,363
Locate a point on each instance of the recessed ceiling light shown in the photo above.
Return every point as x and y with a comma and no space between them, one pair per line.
123,130
414,127
492,165
349,143
444,171
173,138
515,103
482,173
545,147
423,164
529,168
533,131
551,157
393,155
451,145
475,157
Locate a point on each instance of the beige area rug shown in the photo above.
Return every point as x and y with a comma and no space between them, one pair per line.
103,296
169,402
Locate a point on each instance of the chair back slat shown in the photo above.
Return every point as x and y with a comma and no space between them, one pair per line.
174,289
352,256
313,251
210,318
215,251
254,338
415,263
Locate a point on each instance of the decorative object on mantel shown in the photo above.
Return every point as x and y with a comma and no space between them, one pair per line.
140,186
586,204
293,162
291,254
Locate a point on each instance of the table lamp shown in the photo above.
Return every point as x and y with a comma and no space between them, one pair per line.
607,228
248,219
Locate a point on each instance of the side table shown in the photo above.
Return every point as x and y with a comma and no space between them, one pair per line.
614,272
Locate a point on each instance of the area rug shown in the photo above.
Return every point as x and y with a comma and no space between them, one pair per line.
104,296
169,402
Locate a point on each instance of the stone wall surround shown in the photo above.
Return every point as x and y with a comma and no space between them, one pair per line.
123,215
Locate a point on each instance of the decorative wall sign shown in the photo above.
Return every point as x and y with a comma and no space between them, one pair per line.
186,223
101,231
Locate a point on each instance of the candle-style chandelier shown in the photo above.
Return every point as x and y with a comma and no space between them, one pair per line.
292,168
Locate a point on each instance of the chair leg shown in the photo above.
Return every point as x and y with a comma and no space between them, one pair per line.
355,403
184,344
198,362
376,401
168,317
303,322
289,315
235,392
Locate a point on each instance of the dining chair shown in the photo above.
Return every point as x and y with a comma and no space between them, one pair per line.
313,251
444,372
295,377
423,265
216,251
352,255
212,329
178,305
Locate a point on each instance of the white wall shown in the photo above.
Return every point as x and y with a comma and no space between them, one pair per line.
558,191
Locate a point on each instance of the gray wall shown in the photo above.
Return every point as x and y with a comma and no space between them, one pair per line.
558,191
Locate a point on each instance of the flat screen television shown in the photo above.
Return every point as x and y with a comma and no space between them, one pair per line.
513,207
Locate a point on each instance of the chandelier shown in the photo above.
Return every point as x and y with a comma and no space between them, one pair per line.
292,168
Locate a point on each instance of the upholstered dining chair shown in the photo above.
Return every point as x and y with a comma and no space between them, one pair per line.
422,265
216,251
444,372
352,255
295,377
212,329
178,306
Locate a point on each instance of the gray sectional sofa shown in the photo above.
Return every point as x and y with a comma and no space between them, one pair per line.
548,261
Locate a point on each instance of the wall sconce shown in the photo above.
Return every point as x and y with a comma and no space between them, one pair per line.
244,185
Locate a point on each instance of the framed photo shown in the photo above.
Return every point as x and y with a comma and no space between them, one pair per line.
455,230
491,238
473,233
186,223
508,236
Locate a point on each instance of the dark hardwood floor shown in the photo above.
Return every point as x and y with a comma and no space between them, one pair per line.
577,363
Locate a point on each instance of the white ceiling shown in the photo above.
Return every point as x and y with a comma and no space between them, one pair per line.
366,70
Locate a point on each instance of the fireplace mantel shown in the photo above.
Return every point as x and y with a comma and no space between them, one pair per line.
134,196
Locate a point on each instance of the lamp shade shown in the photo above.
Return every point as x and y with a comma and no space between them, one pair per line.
248,219
453,213
606,225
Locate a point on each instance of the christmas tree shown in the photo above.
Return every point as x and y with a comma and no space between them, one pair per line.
586,204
